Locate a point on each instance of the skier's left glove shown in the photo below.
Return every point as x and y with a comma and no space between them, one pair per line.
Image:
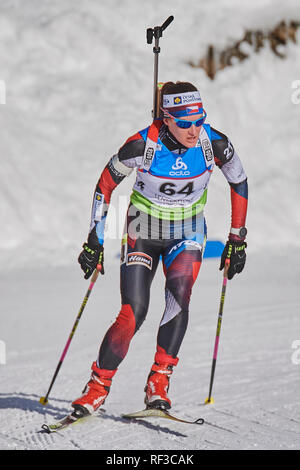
235,250
91,258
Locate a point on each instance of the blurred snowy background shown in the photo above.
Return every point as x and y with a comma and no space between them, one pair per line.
79,81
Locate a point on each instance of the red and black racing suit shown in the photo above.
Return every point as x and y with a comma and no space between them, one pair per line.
181,268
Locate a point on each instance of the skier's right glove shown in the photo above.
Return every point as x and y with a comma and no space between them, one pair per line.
91,258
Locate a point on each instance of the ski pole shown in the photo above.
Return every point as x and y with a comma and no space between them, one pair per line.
156,33
209,399
44,400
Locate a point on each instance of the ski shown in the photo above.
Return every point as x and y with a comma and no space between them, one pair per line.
77,416
158,413
71,419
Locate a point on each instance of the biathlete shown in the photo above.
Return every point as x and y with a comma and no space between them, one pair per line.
174,158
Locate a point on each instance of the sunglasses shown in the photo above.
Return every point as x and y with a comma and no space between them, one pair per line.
187,124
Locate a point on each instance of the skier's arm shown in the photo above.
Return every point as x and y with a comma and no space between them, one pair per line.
118,167
230,164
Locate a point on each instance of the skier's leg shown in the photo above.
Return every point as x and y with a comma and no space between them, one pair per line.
182,261
181,272
137,272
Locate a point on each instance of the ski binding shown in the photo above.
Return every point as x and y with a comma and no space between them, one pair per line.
79,414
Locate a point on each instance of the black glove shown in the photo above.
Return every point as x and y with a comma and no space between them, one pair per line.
90,258
236,252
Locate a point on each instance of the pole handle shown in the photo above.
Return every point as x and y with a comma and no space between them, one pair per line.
226,268
96,273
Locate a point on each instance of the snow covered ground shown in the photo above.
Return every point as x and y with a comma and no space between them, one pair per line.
256,382
79,82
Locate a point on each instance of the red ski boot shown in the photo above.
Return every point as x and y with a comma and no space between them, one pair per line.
95,391
158,382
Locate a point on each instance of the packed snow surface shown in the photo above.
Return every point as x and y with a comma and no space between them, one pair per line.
256,381
79,78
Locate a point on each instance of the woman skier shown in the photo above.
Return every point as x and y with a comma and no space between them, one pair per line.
174,158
